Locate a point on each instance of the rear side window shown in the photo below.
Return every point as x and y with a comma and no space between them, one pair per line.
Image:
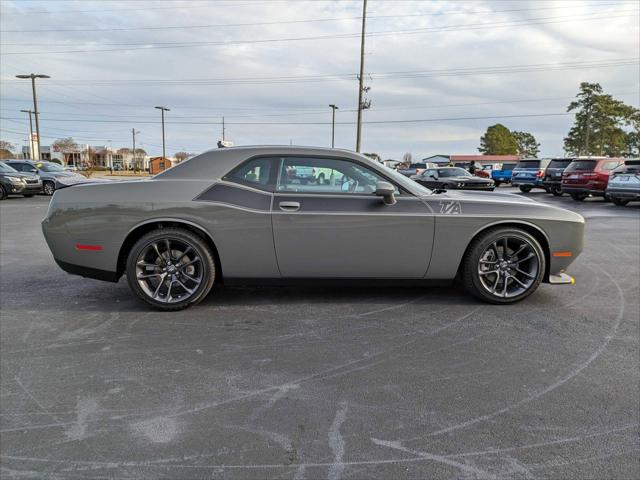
610,165
528,164
588,165
258,172
560,163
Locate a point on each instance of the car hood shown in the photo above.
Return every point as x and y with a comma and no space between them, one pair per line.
26,176
466,179
484,196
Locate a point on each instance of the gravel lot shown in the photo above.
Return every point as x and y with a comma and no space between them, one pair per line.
321,383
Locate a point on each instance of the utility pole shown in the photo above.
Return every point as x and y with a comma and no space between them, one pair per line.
223,129
33,77
360,77
333,124
31,149
133,133
163,109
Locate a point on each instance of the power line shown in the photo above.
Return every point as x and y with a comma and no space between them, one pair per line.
352,76
450,28
309,20
400,121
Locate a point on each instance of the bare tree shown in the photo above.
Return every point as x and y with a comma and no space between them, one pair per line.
406,158
181,156
6,150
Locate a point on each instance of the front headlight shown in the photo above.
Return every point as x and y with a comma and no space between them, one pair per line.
15,179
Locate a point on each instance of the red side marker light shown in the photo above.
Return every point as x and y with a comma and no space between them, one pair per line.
93,248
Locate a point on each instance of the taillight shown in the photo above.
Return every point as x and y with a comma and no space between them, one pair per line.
589,175
540,173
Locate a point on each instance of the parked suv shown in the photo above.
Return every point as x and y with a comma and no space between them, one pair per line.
12,182
529,173
588,176
553,175
52,174
624,183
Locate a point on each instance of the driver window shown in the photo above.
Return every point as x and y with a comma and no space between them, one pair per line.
326,175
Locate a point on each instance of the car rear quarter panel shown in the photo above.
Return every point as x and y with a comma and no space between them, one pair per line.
105,214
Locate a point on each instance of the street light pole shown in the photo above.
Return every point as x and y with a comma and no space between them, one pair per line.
133,133
360,78
333,124
33,77
163,109
31,149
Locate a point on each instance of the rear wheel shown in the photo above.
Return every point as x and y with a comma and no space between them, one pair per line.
525,188
3,192
48,188
579,197
170,269
556,190
619,201
503,265
497,183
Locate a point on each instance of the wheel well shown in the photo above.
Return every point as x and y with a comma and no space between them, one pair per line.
141,230
533,231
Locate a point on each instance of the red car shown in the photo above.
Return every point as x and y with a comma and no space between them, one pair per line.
588,176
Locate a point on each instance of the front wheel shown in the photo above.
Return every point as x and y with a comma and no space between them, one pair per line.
503,265
525,188
579,197
48,188
170,269
619,201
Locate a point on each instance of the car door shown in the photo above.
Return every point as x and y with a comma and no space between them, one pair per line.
341,229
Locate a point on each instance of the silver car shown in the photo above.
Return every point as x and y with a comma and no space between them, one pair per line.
237,214
53,175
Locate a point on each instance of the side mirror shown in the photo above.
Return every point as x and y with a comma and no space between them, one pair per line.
386,191
33,170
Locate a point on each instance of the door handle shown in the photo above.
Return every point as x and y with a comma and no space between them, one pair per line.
289,206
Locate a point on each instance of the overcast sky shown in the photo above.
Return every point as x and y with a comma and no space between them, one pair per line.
273,67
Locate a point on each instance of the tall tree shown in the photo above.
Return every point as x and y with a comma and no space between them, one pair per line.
181,156
599,123
527,144
498,140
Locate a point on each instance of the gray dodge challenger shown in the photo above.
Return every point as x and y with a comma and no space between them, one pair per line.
291,214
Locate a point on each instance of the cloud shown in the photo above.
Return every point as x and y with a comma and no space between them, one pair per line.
71,107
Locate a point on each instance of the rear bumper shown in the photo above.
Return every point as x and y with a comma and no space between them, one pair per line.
623,194
87,272
582,189
516,182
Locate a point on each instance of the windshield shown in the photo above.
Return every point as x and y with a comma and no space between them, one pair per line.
528,164
588,165
560,163
4,168
50,167
453,172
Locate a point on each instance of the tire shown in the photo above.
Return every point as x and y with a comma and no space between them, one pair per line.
547,189
48,188
193,256
479,285
557,191
620,202
497,183
579,197
3,192
525,188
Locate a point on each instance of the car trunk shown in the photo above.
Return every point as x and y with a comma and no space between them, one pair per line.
555,169
579,172
527,170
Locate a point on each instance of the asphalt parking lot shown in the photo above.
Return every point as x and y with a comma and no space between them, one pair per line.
321,383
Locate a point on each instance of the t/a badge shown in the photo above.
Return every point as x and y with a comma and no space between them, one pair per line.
450,207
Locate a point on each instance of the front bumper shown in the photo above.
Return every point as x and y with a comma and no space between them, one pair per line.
14,188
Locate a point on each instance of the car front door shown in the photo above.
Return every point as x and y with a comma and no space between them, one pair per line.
341,229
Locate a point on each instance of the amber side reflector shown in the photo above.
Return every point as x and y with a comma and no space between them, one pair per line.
93,248
562,254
